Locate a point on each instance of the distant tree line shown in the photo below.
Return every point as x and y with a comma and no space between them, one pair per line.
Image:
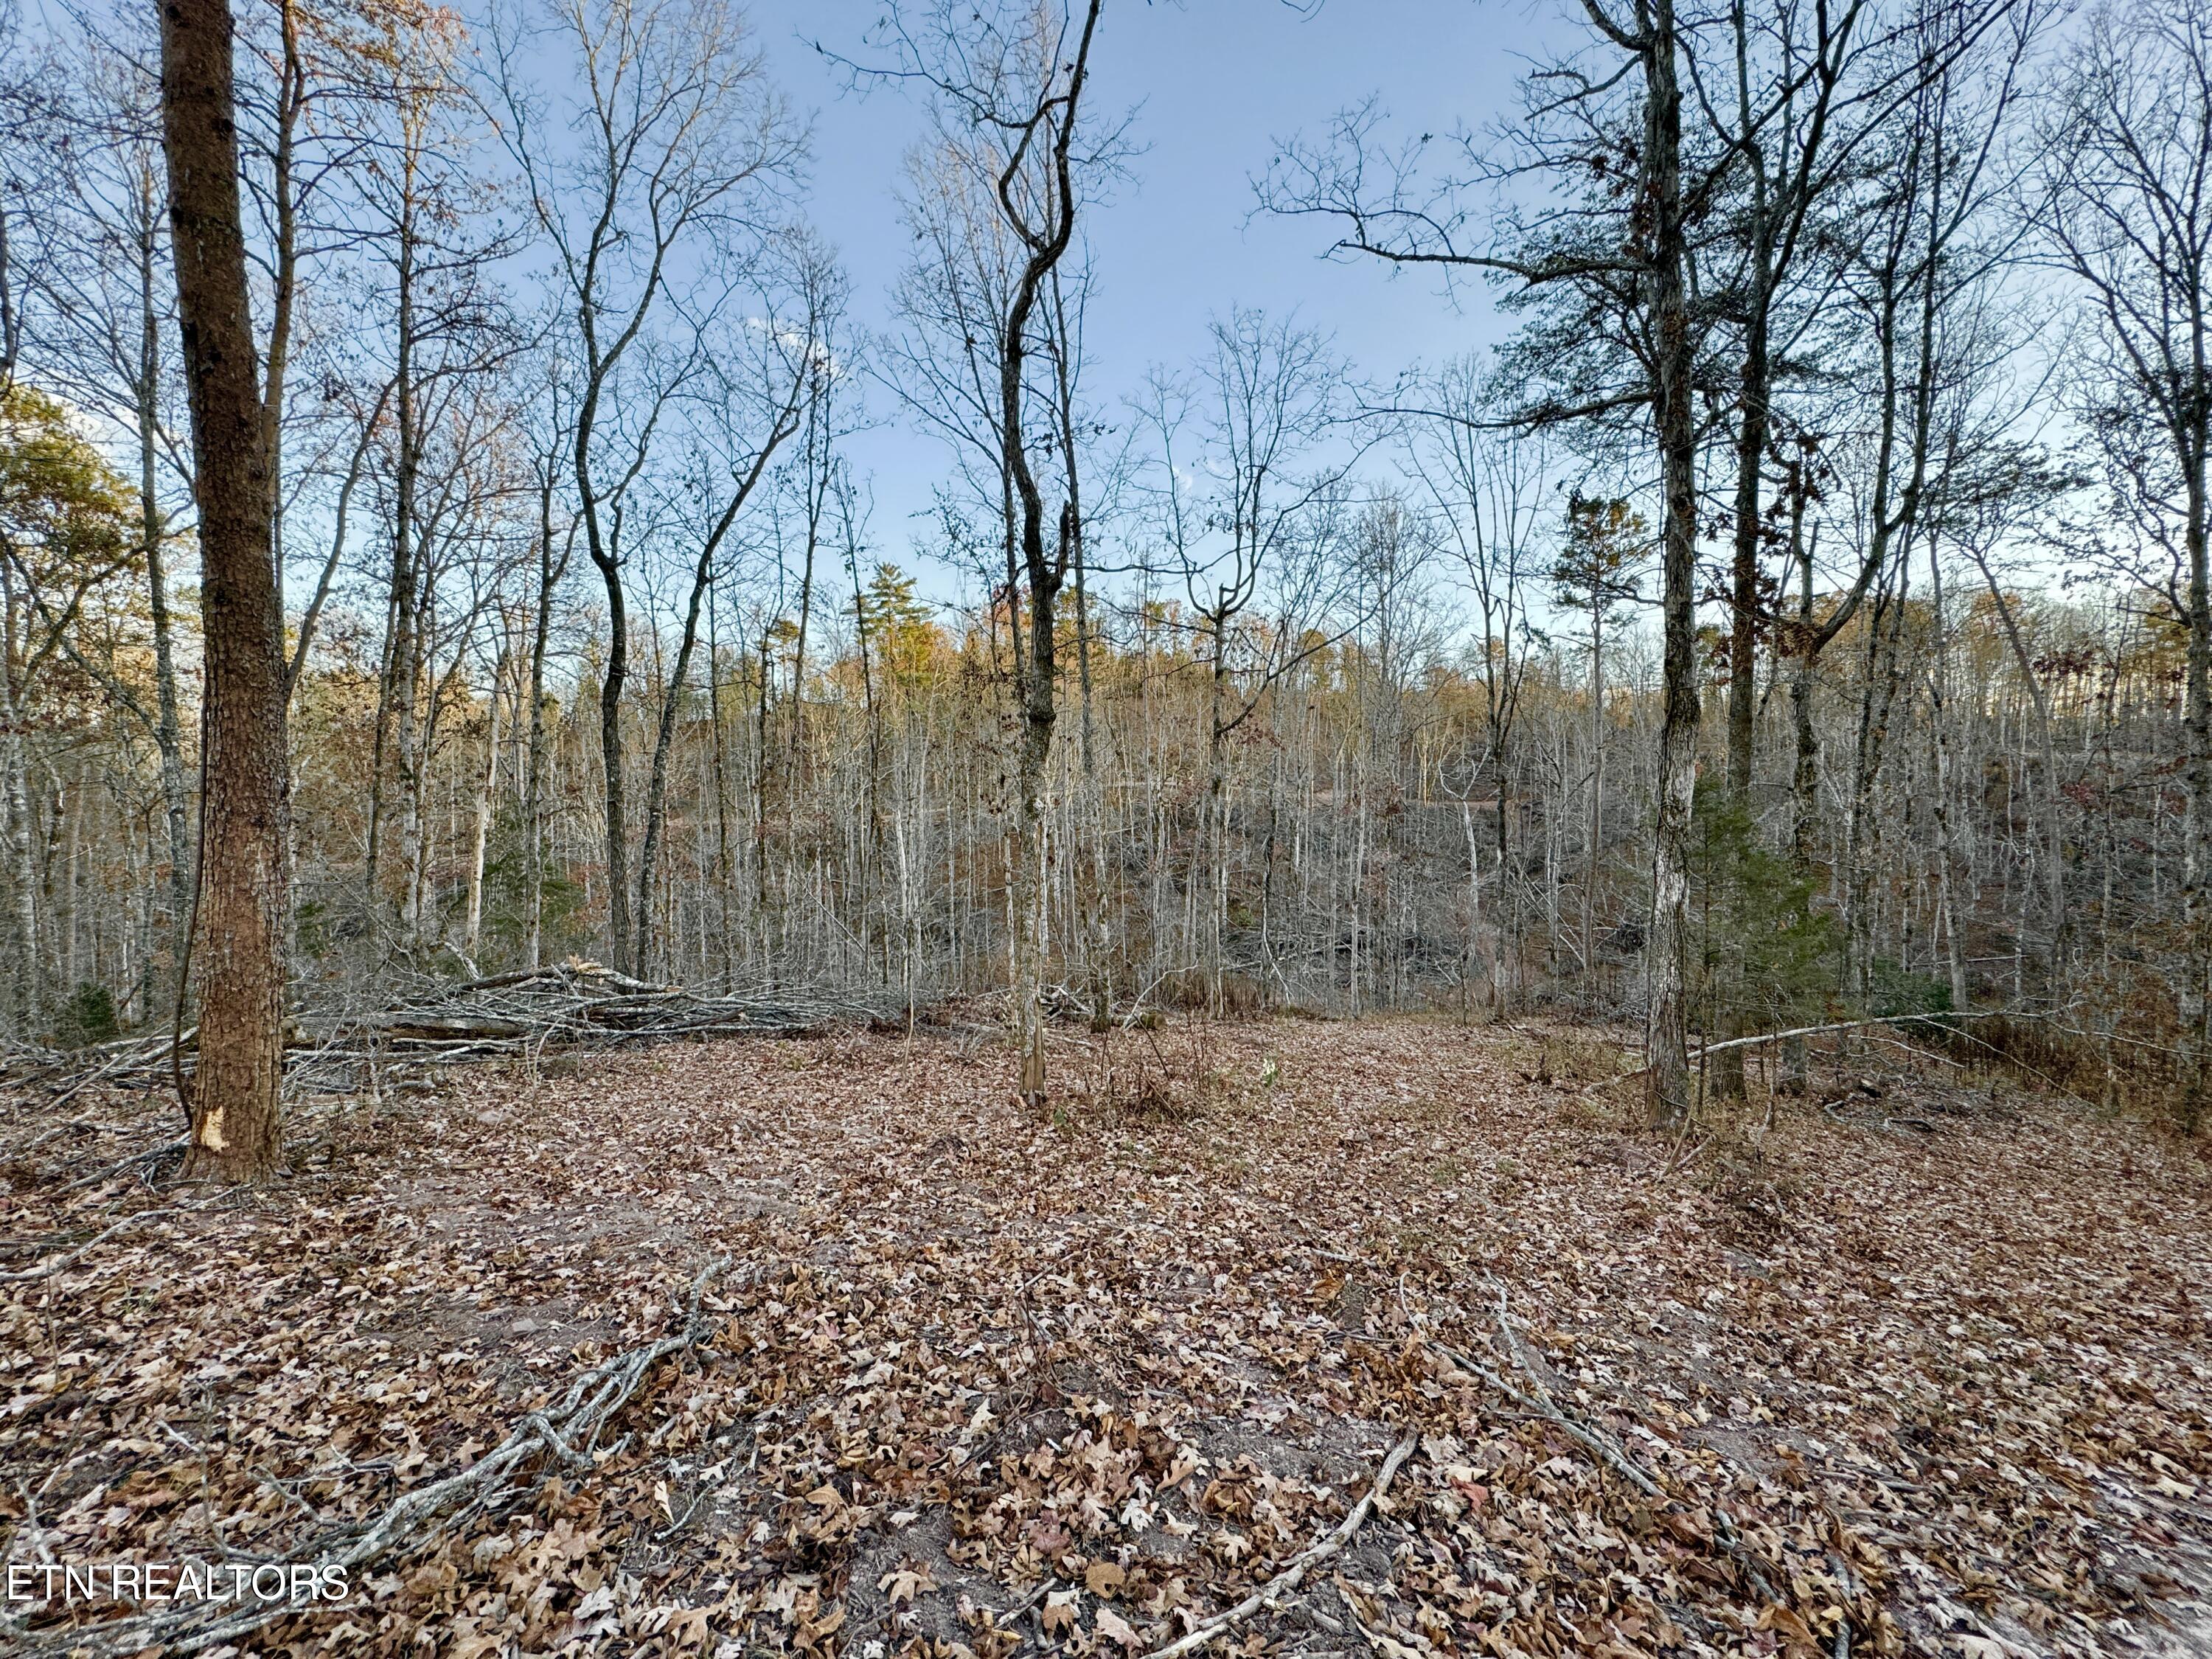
459,563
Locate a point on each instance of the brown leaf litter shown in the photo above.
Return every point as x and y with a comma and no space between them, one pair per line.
981,1385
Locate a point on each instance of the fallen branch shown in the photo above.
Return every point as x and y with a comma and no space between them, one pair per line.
151,1155
1271,1593
1855,1025
1540,1404
433,1024
1681,1158
1697,1054
568,1433
54,1264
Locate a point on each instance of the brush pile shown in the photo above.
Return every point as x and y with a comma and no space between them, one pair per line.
571,1005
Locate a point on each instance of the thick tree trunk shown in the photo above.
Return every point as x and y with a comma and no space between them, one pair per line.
1032,757
1046,569
1727,1066
1668,1032
238,944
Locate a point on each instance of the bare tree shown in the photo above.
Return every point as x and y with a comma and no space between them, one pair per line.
1613,259
754,394
108,320
644,177
1244,510
1487,490
426,204
1015,75
2123,191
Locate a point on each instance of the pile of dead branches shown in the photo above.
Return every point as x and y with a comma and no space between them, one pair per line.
530,1012
431,1025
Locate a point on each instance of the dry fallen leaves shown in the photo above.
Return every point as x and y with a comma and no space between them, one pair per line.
984,1383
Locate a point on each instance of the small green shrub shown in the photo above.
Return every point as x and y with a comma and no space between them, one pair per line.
1893,992
88,1017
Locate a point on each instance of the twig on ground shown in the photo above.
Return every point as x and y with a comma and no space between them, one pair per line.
1680,1159
1725,1534
414,1520
54,1264
1271,1593
151,1155
1540,1404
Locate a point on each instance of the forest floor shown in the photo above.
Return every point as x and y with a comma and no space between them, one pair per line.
1926,1368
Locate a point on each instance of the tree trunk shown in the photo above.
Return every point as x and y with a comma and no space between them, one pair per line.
534,788
1590,988
15,807
1952,876
611,759
487,785
2196,846
672,696
1726,1067
1045,570
239,944
656,789
1668,1038
408,579
167,728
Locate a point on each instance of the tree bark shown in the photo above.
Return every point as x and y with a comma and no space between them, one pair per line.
1045,570
239,943
1668,1032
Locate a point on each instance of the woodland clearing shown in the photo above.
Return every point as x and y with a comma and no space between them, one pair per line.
1922,1368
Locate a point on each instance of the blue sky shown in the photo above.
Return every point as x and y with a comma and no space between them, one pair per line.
1212,83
